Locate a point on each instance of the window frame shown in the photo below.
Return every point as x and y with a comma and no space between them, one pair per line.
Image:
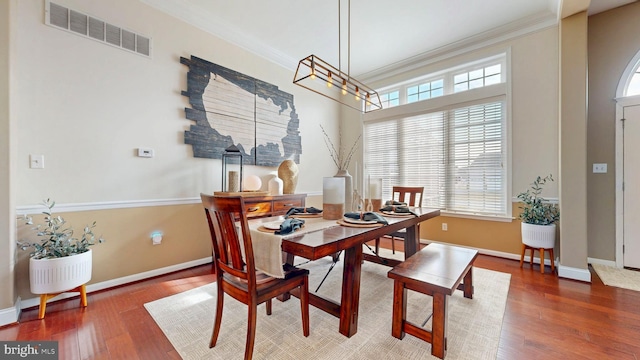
495,92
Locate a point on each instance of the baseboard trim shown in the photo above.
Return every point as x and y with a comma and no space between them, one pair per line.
121,281
574,273
10,315
499,254
601,262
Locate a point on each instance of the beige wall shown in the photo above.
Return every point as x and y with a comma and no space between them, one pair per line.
573,141
613,42
7,233
128,249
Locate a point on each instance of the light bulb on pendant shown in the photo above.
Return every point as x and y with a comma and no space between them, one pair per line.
357,94
344,87
368,97
313,70
329,80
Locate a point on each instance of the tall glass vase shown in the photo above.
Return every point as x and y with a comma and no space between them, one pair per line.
348,188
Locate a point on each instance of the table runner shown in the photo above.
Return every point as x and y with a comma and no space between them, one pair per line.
267,247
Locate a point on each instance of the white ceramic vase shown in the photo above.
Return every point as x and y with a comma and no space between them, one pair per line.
348,188
51,276
539,236
276,186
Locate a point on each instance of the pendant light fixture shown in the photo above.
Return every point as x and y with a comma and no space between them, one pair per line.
319,76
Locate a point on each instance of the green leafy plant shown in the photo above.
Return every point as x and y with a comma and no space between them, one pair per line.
536,209
56,237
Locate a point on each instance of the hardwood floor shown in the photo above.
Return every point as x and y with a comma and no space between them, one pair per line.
545,318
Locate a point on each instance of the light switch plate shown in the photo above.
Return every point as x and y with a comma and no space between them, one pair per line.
36,161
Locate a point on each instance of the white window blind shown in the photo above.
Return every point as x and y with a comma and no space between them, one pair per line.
457,155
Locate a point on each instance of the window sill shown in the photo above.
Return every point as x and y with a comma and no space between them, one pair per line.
476,216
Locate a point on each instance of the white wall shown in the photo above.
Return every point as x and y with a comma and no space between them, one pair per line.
87,107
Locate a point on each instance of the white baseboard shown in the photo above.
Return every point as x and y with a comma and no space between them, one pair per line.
10,315
574,273
611,263
500,254
119,281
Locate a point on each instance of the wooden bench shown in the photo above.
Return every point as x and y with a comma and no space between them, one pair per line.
437,270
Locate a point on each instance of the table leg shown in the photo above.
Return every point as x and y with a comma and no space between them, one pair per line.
468,284
439,325
350,291
412,241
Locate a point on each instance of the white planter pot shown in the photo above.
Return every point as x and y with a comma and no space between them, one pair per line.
539,236
51,276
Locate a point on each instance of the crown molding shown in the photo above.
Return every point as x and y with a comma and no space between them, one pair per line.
500,34
218,26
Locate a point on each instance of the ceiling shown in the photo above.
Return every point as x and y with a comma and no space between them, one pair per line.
384,34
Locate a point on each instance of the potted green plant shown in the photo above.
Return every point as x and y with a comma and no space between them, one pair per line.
59,261
539,216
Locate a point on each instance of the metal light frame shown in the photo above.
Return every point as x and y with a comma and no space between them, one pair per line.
339,84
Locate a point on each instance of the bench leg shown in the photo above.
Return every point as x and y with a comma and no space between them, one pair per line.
399,310
439,327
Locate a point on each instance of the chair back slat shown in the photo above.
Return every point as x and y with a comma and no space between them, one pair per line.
228,245
414,193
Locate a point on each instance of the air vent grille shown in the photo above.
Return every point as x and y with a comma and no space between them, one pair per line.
70,20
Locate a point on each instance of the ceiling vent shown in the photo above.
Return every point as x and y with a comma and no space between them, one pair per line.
96,29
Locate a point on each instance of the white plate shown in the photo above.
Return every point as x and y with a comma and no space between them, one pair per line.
274,225
357,221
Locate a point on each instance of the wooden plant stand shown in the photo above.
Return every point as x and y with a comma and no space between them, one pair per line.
45,297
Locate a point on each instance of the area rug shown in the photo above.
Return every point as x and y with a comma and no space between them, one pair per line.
474,325
622,278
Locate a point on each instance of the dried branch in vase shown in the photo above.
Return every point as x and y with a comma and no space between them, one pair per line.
339,156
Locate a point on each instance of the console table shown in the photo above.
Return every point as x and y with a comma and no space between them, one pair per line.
272,205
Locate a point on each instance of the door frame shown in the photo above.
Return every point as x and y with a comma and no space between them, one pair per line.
621,103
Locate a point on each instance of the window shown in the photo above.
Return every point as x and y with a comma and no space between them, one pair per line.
425,91
455,146
477,78
390,99
457,155
634,84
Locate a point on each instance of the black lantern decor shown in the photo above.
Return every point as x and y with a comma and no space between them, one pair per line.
231,155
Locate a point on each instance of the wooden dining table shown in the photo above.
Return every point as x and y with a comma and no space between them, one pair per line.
329,241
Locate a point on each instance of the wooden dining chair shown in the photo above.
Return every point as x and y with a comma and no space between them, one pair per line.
236,275
412,196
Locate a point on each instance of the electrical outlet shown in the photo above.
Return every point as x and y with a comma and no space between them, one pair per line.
600,168
444,227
